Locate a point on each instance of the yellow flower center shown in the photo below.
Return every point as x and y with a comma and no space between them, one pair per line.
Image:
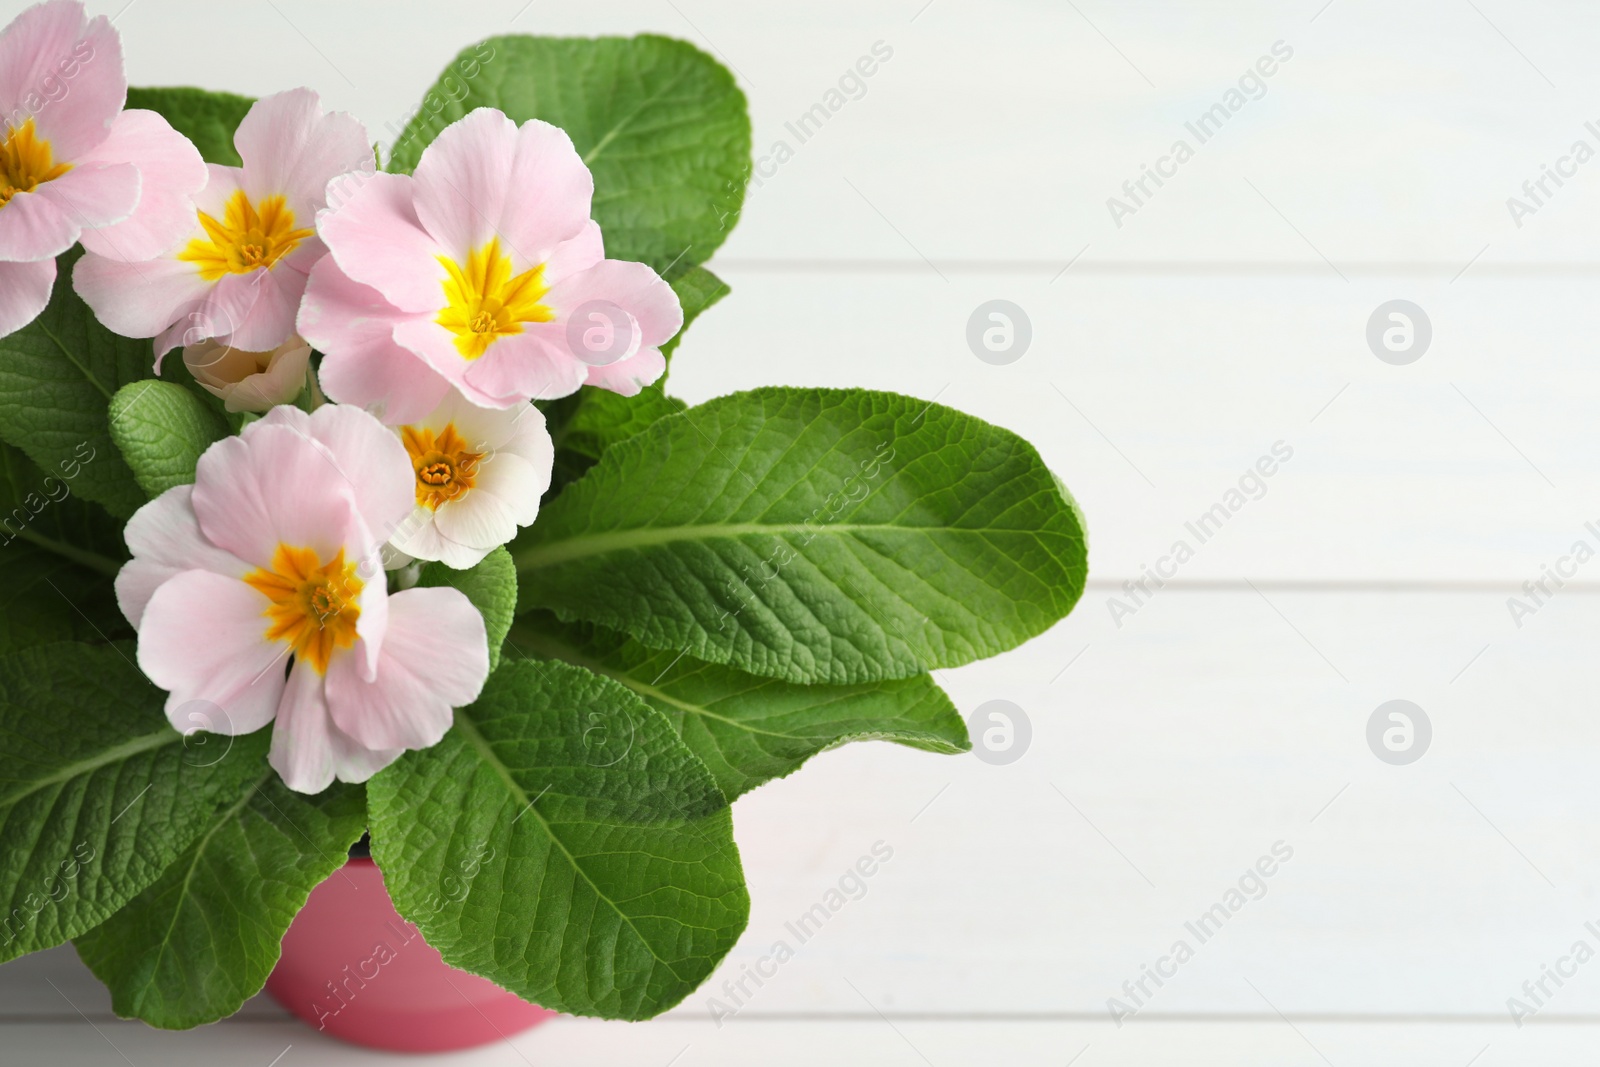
445,466
312,605
248,237
26,162
484,303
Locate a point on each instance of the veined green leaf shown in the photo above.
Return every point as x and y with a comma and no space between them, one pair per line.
161,429
749,730
592,853
201,940
813,535
57,377
98,794
58,556
698,290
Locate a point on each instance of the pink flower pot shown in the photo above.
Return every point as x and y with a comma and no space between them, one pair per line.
353,968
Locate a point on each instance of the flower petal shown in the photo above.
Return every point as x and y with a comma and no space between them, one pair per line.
418,538
302,746
435,658
142,299
483,177
93,195
368,456
24,292
65,72
34,227
578,254
165,540
308,750
203,637
378,241
633,287
518,482
477,520
255,311
291,149
275,485
530,439
629,376
171,172
533,365
353,326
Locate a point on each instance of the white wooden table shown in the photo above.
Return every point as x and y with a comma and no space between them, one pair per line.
1229,711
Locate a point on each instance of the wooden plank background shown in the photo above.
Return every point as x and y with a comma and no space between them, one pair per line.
1175,744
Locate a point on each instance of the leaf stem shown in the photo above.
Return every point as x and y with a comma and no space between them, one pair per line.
82,556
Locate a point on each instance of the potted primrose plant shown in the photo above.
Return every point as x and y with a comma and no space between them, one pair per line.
344,500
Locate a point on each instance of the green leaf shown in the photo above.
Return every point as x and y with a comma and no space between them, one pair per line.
591,420
58,556
492,588
161,429
201,940
813,535
661,125
57,377
206,118
698,289
46,598
98,794
598,873
749,730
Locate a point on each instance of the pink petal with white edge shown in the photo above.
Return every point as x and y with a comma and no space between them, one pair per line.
203,637
579,254
291,149
435,346
378,241
220,311
627,377
273,485
254,311
533,365
140,299
435,658
64,71
483,177
372,625
170,171
633,287
308,750
24,292
95,194
650,303
548,193
165,539
33,227
367,454
353,326
418,538
220,185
